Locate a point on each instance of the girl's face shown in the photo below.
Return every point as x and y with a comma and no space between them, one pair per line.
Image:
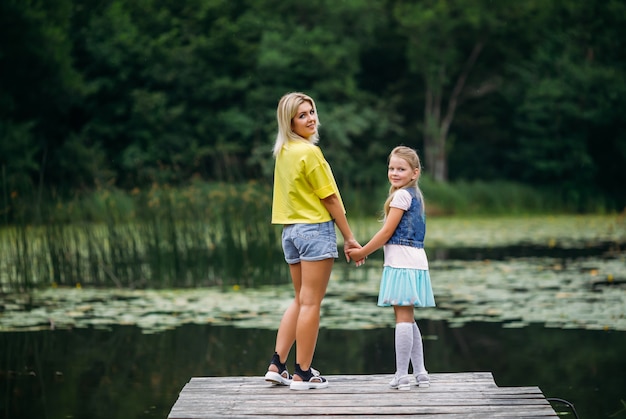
400,172
305,122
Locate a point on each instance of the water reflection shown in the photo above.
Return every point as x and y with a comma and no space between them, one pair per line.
122,373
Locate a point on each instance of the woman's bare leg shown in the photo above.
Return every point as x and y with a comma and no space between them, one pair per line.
315,277
286,335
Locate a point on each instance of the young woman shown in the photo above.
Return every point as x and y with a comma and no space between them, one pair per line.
307,203
405,282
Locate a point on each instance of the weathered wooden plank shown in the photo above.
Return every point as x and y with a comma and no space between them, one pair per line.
464,415
363,411
332,398
470,377
306,410
451,395
380,400
377,403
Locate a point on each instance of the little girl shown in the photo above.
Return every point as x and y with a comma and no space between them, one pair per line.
405,280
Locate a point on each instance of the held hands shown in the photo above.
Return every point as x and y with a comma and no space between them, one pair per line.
350,246
358,255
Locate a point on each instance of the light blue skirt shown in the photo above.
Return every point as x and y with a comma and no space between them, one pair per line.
405,287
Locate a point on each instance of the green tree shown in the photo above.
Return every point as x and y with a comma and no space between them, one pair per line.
320,50
38,88
18,160
446,40
570,98
133,92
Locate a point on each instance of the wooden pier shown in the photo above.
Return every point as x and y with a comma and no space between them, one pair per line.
450,395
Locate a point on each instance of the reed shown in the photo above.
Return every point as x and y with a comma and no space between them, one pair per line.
201,235
501,198
204,234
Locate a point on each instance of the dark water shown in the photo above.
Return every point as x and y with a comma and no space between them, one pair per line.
596,249
122,373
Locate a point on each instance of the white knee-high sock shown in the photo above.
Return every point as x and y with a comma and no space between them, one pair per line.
404,346
417,352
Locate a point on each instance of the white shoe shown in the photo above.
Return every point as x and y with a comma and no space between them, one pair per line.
315,382
422,380
402,382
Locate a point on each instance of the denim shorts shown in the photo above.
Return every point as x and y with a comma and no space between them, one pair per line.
309,242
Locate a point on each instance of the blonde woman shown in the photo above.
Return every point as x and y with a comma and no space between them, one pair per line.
306,201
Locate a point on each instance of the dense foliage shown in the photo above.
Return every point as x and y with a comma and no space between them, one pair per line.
129,93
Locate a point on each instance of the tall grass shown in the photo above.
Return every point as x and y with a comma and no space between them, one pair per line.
201,235
479,198
209,235
503,198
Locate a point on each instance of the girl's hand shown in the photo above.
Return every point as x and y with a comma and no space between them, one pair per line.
357,255
350,246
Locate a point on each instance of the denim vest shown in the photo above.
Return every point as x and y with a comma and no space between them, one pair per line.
412,227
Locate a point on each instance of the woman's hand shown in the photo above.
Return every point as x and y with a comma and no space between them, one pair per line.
358,255
350,246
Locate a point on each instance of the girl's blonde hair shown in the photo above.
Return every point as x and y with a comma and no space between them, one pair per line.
411,157
287,109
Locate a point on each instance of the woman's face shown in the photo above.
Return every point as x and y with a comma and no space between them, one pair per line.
400,172
305,122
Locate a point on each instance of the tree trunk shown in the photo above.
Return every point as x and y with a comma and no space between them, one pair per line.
436,128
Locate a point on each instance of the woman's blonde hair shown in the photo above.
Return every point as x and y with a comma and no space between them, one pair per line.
411,157
287,109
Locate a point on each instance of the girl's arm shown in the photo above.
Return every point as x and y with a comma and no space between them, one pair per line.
384,234
334,207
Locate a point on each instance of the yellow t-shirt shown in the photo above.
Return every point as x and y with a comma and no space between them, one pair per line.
302,177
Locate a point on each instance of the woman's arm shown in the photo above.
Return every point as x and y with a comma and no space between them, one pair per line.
381,237
334,207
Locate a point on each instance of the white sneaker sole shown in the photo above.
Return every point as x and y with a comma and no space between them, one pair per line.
403,383
307,385
401,386
422,383
276,379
